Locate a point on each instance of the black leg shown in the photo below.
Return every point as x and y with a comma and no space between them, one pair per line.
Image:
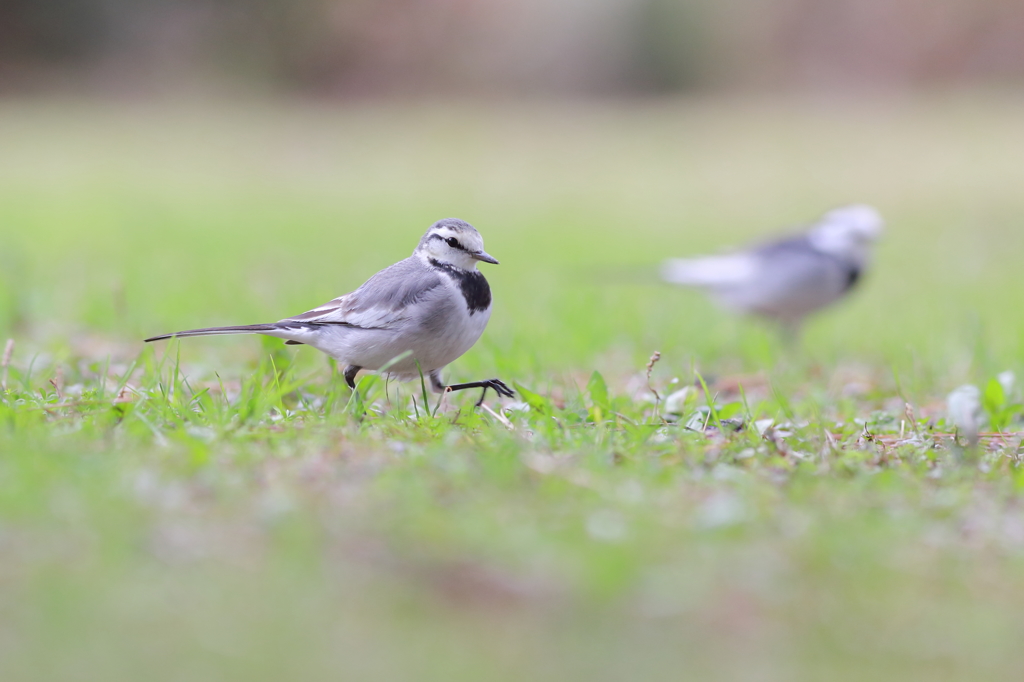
350,376
497,384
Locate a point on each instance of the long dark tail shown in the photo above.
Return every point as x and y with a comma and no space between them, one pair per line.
212,331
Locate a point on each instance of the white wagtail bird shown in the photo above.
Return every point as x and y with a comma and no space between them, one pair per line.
787,279
426,310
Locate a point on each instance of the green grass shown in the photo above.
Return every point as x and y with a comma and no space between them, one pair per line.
223,509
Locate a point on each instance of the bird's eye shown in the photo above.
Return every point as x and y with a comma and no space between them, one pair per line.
453,242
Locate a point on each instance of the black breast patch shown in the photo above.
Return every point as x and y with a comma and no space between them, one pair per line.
852,277
473,284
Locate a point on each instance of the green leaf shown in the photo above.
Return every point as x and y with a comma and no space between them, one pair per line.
536,401
993,400
730,410
598,390
600,406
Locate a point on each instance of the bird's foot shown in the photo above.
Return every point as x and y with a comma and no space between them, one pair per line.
497,385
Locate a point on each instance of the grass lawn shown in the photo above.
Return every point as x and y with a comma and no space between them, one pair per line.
225,509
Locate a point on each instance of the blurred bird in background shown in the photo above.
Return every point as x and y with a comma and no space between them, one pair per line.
787,279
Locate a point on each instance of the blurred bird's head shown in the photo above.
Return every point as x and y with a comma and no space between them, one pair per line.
454,242
848,231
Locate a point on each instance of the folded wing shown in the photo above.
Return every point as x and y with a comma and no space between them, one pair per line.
384,301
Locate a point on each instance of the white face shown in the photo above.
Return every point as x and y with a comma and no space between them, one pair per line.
848,231
457,244
859,220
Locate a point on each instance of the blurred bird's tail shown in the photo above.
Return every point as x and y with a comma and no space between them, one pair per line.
212,331
709,271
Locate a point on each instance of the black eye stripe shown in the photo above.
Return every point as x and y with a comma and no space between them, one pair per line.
451,241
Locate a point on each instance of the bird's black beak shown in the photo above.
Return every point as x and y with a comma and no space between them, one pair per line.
485,257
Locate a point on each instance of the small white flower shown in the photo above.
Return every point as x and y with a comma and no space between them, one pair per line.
963,406
675,403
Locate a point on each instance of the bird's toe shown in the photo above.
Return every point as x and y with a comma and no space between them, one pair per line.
499,386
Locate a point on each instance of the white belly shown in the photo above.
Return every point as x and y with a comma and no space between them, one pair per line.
432,346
